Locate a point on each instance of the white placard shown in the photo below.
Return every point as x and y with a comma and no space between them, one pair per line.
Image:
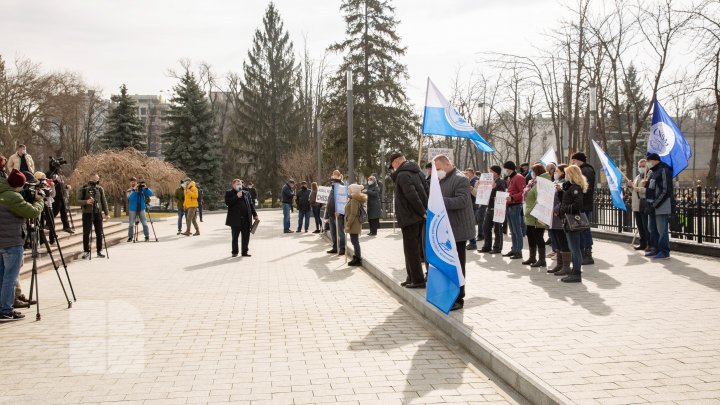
432,152
543,209
500,206
484,189
322,195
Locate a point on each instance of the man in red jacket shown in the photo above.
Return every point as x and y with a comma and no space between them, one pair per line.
514,213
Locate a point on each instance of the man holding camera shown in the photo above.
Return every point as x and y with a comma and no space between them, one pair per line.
137,196
93,203
60,204
14,210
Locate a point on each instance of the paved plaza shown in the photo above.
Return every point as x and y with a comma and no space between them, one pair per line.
180,322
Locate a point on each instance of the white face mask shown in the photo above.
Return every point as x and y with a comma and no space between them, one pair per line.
370,183
641,170
648,165
441,174
505,172
532,175
556,176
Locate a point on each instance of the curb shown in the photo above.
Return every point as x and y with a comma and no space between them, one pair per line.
513,374
678,245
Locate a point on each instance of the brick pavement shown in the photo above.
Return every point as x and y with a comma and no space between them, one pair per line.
633,332
180,322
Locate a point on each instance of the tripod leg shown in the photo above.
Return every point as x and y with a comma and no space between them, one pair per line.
56,267
62,259
152,226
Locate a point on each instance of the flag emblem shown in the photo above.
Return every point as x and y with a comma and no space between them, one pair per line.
662,139
439,237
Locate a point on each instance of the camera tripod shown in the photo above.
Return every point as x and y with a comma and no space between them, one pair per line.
137,225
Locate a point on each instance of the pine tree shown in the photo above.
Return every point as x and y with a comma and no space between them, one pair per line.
190,141
381,110
124,128
268,118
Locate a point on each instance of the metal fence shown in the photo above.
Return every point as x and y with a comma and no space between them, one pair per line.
696,216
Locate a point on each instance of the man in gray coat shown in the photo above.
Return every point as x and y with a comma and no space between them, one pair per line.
455,188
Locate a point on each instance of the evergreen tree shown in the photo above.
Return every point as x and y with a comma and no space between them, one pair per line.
190,141
268,117
124,128
372,51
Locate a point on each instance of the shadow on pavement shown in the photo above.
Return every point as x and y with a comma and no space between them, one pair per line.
218,262
681,268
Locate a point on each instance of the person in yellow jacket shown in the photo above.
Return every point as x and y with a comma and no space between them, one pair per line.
191,204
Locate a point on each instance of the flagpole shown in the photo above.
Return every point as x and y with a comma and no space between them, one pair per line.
422,138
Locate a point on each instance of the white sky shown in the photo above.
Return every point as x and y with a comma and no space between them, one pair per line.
135,42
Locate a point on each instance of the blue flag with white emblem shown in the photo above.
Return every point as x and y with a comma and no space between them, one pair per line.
444,273
668,141
614,177
441,118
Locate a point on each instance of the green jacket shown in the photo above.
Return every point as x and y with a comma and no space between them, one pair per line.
530,202
13,212
100,202
179,197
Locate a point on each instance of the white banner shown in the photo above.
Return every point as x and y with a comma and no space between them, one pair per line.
322,195
484,189
432,152
500,206
543,209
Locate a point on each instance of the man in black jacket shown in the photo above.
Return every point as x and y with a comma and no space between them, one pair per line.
660,205
240,211
411,199
288,195
303,204
491,228
580,159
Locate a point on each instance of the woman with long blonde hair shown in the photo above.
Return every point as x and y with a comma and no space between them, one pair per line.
572,203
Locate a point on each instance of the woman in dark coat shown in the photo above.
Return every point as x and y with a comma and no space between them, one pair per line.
374,193
316,206
557,232
572,203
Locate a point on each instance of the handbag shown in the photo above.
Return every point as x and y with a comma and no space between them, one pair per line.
576,222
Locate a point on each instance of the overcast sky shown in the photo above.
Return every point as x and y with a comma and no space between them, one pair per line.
135,42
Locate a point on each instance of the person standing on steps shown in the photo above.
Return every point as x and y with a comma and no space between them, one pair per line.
353,220
303,204
287,195
241,211
190,204
411,201
337,221
374,202
21,160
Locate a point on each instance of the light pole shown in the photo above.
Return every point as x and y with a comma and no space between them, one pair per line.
351,157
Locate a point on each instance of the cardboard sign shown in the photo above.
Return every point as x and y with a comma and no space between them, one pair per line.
484,189
432,152
543,209
500,206
323,194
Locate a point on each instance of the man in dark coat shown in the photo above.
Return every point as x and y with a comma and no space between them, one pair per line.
241,210
302,199
660,205
580,159
374,204
491,228
335,219
411,199
288,195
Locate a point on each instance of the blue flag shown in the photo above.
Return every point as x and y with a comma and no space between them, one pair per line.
444,274
441,118
668,141
614,177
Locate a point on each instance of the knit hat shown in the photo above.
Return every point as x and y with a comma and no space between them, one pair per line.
355,188
652,156
579,156
16,179
496,169
40,176
510,165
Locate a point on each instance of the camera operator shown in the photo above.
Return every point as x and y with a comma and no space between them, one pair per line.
13,212
42,183
21,160
138,193
60,204
93,203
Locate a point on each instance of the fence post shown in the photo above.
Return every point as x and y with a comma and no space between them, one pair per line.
699,210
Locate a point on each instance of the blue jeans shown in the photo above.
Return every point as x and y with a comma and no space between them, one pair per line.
10,261
516,222
574,240
286,216
181,212
659,235
303,215
334,235
587,242
131,226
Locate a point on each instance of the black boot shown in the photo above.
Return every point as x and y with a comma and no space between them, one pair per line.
531,260
587,257
541,257
356,261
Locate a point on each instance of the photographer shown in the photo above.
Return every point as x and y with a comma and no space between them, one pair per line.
93,204
13,212
60,204
137,196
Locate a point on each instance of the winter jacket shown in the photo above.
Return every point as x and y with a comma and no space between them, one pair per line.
135,196
411,194
13,212
455,188
473,190
191,196
515,185
659,191
235,210
588,198
179,197
303,199
352,213
531,202
374,194
14,163
557,222
288,194
101,205
572,199
639,195
330,207
499,186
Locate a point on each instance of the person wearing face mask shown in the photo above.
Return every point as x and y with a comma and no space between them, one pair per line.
579,159
535,229
557,232
21,160
660,204
179,199
374,194
302,200
93,205
637,191
411,200
515,185
241,210
490,227
190,203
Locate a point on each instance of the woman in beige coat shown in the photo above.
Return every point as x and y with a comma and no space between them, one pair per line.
353,220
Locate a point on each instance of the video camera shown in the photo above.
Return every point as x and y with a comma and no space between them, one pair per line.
55,163
141,185
34,187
